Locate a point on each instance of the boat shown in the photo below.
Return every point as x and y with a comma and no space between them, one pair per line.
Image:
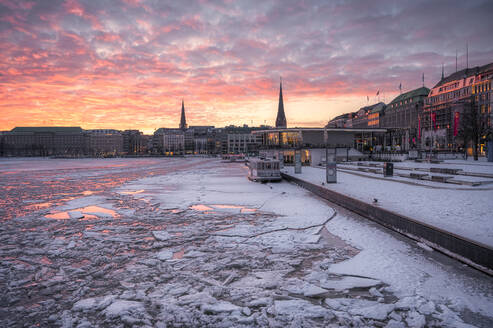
264,170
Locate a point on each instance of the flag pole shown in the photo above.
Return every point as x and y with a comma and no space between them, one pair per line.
456,60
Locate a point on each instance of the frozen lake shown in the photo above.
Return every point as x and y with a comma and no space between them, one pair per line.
191,242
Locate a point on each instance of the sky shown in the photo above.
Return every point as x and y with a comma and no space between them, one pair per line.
127,64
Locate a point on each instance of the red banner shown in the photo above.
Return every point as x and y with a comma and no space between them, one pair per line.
434,120
456,123
419,127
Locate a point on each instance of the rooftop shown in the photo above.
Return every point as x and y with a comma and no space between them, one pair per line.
465,73
423,91
47,129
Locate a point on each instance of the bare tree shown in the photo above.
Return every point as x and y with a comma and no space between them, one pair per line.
474,126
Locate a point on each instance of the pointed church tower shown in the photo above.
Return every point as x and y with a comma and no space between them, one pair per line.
183,120
281,117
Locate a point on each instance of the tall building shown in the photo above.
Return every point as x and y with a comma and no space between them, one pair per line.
444,107
403,116
183,120
281,117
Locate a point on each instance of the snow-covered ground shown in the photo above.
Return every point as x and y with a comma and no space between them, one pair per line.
193,243
465,211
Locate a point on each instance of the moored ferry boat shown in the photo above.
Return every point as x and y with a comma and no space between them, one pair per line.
264,170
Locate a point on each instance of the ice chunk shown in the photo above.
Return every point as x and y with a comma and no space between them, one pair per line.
427,308
218,307
75,215
414,319
121,307
350,282
291,307
93,303
395,324
246,311
375,292
406,303
161,235
165,255
376,312
313,291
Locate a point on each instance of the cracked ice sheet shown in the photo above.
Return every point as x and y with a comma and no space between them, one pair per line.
408,269
405,268
296,206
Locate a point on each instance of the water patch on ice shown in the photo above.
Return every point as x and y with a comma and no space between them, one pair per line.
98,210
40,205
179,255
132,192
85,213
58,216
228,208
201,208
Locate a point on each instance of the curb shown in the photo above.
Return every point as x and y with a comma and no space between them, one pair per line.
475,254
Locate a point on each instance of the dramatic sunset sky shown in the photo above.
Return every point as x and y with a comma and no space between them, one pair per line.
127,64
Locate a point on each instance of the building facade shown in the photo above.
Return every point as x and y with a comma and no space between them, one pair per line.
173,142
444,107
43,141
104,142
134,142
340,121
243,143
403,118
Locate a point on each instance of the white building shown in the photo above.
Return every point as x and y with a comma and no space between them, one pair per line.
173,142
243,143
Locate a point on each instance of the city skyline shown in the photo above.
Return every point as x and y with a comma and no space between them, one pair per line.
128,64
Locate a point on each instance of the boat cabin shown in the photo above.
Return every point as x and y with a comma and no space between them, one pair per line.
264,170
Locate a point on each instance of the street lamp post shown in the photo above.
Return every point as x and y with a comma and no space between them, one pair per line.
330,167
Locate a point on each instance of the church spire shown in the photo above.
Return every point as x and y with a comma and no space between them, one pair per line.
281,117
183,120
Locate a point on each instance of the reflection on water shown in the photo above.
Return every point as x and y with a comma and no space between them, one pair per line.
39,205
95,210
58,216
88,212
209,209
35,184
228,206
248,210
179,255
132,192
201,208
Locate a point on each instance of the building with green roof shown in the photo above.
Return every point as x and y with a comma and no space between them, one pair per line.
403,116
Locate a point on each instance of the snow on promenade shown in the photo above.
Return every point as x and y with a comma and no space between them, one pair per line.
192,243
466,211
